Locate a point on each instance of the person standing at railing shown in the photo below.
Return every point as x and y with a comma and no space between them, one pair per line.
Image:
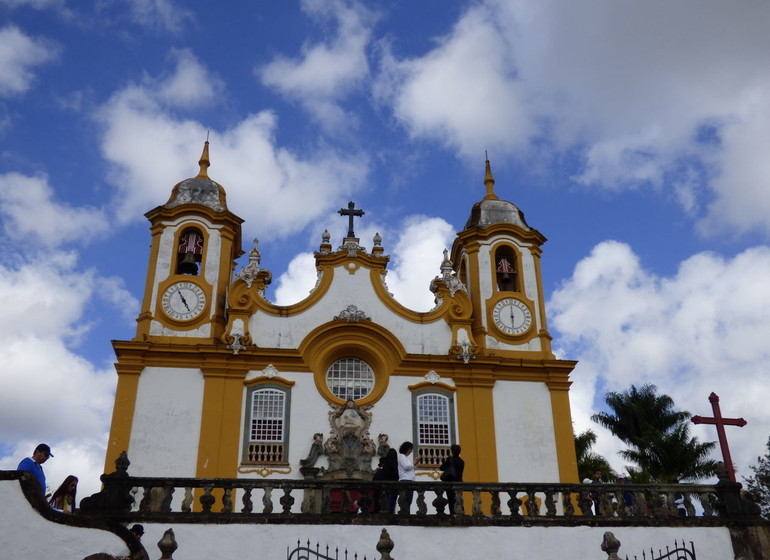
406,468
63,499
34,464
452,471
389,472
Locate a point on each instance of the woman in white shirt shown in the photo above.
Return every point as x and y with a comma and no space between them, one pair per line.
406,468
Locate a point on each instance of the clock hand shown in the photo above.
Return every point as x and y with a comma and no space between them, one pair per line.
184,301
512,319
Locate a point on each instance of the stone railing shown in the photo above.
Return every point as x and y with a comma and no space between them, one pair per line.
191,500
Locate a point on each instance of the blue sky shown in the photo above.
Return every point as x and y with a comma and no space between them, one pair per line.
635,136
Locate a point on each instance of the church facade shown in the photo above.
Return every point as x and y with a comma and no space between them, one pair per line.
220,382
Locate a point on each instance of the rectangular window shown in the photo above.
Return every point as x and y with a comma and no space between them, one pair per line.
266,426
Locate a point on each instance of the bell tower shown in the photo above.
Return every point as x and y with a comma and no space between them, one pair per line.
497,256
195,242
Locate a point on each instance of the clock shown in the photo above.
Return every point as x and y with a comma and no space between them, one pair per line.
183,301
512,316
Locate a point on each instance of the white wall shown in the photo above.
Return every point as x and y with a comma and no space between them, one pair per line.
167,419
25,535
526,449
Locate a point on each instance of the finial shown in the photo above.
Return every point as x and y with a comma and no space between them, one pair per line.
254,255
377,239
204,161
489,181
325,236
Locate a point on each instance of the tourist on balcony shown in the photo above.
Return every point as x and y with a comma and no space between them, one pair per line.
452,471
64,498
406,470
389,472
596,496
34,464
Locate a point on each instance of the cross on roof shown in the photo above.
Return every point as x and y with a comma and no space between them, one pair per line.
350,213
720,424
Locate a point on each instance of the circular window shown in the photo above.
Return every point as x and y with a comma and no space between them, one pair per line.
350,379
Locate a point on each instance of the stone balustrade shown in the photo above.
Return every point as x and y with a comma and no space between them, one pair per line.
193,500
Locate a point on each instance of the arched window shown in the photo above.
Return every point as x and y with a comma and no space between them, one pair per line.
506,269
266,429
350,379
189,252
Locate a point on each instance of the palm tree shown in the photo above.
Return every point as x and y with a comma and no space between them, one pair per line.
588,461
658,436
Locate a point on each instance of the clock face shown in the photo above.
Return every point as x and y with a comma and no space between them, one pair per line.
512,316
183,301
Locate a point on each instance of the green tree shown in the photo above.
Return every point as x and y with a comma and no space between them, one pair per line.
588,461
759,483
658,435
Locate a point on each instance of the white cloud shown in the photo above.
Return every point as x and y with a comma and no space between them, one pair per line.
326,72
702,330
159,14
190,84
463,93
50,393
32,214
19,55
643,94
263,181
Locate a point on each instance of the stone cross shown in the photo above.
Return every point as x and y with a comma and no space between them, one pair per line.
720,423
350,213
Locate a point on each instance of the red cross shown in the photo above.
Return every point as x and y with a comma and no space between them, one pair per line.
720,424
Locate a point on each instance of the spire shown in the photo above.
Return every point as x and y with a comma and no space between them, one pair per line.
204,162
489,181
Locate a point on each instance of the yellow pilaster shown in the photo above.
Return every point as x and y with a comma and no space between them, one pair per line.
476,426
220,423
562,425
122,413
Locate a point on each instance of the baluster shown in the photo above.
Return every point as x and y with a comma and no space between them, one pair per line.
566,502
705,502
688,505
287,500
207,500
550,504
440,502
514,503
495,510
459,504
476,508
227,502
345,507
422,508
403,507
248,506
146,503
267,500
326,500
531,504
165,506
187,500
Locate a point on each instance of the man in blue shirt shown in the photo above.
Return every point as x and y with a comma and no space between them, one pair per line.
34,464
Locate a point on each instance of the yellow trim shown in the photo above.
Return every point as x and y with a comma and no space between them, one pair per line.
364,340
476,427
263,379
562,427
122,413
432,386
220,428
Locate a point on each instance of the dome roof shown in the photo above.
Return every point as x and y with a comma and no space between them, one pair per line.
199,189
491,210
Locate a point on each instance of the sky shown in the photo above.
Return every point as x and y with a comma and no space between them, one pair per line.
635,137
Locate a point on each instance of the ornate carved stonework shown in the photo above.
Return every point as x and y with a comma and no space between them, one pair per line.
352,314
349,447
